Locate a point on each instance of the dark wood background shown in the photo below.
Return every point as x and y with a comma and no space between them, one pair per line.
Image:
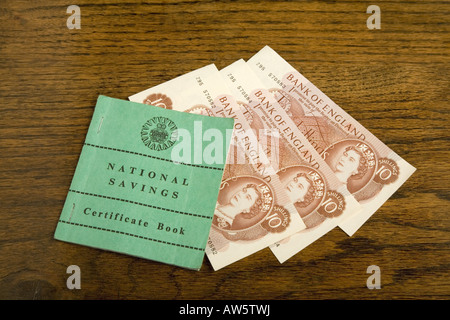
395,81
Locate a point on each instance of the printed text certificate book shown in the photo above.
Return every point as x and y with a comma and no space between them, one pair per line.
147,182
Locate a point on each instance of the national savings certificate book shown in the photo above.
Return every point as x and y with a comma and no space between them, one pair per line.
147,182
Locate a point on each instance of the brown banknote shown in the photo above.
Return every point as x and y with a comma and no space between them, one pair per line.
320,198
371,171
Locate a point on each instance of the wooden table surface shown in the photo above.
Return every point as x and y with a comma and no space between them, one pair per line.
394,80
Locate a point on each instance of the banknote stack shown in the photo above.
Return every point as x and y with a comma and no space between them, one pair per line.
298,166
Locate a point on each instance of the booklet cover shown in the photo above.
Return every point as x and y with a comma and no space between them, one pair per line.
147,182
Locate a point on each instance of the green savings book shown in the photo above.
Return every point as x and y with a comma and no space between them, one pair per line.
147,182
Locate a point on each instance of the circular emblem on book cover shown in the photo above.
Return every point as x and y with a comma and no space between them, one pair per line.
159,133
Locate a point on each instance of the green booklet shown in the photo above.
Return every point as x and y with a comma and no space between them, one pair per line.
147,182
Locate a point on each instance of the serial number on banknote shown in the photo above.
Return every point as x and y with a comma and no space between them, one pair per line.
212,247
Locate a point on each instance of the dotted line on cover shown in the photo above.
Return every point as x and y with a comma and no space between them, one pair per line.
131,235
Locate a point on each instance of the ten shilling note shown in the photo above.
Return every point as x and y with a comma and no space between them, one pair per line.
252,211
128,195
371,171
320,198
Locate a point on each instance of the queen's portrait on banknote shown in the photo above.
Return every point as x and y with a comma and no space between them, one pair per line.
353,162
243,202
300,190
306,189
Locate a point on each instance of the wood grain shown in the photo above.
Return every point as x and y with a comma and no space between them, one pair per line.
395,81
